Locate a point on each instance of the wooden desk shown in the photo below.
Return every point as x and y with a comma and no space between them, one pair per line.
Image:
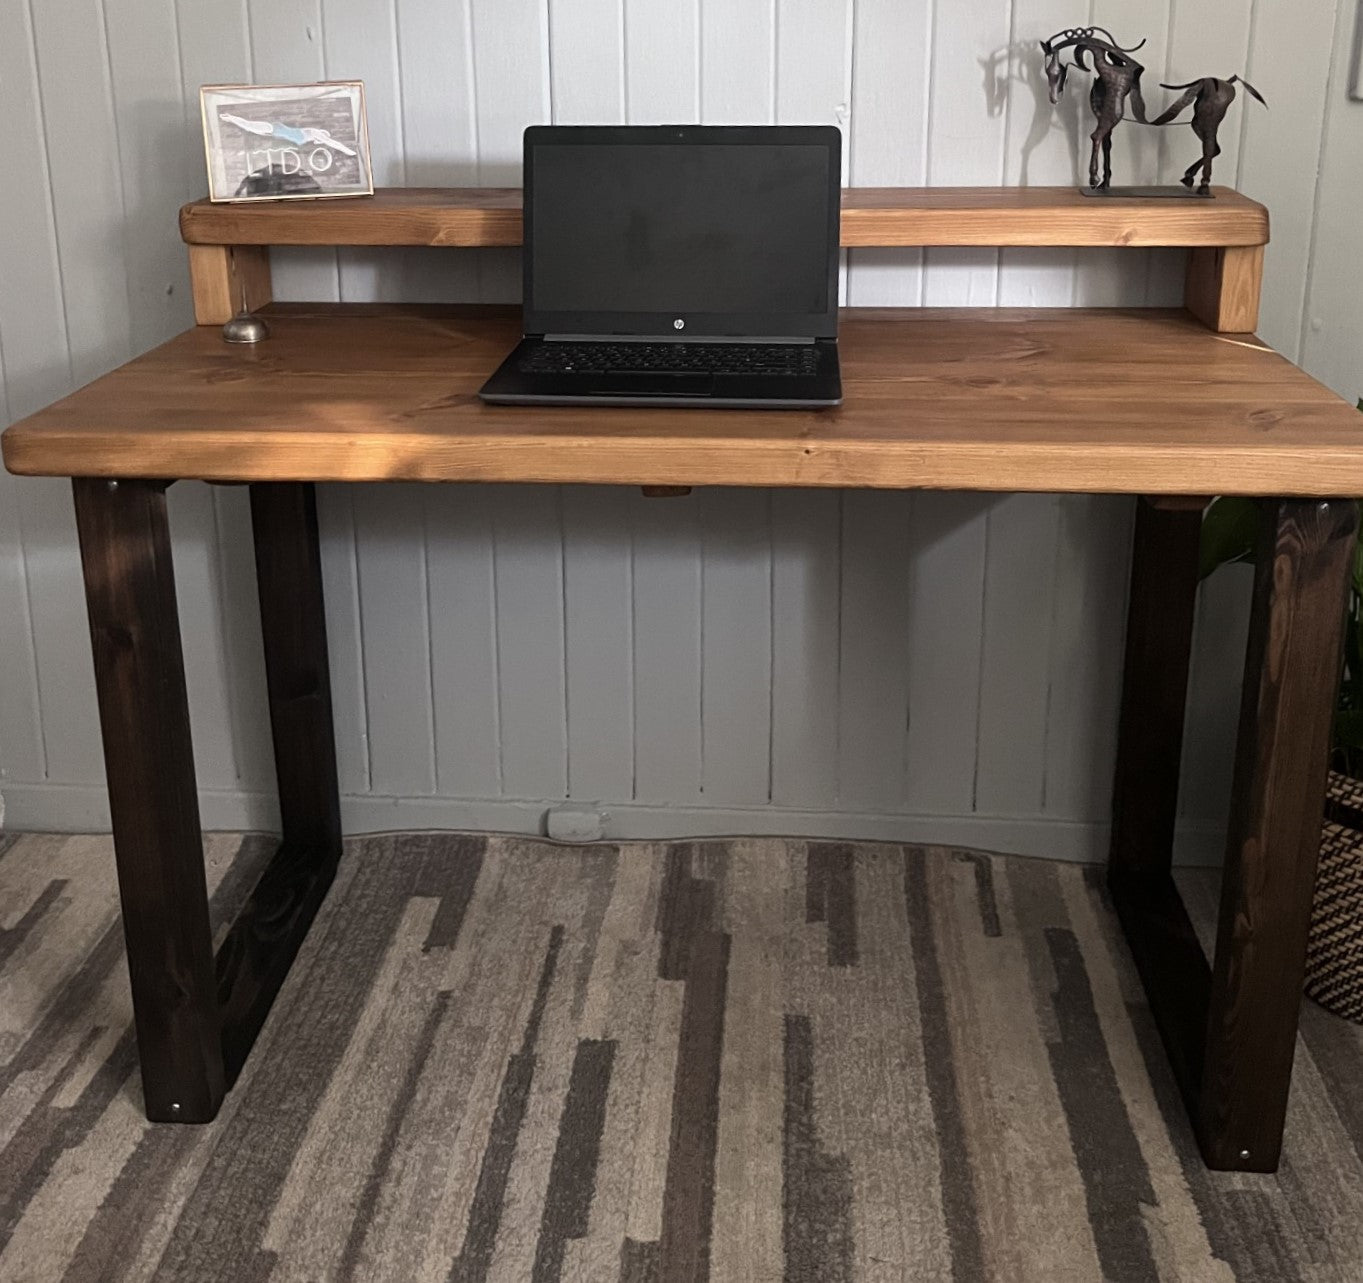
1132,402
1147,403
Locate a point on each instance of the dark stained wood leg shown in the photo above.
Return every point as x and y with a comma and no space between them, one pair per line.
1159,638
1159,642
1292,671
1230,1027
294,626
144,715
265,939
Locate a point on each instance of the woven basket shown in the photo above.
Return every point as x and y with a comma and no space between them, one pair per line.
1334,954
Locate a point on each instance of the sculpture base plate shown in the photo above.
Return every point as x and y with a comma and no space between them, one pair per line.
1173,192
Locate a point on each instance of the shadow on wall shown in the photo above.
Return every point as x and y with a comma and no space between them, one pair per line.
1022,63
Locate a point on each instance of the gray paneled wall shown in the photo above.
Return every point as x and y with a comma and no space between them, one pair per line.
940,666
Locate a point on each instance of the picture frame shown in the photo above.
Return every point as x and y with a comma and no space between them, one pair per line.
286,142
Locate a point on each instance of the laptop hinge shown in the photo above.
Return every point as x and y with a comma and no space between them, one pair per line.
670,338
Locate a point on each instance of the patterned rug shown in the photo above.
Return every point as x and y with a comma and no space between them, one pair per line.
504,1059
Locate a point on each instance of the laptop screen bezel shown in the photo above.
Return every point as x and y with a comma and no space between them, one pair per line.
695,324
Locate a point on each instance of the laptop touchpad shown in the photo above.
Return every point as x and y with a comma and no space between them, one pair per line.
652,385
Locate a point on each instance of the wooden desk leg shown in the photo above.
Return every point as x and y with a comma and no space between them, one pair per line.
1159,642
1292,670
1230,1028
1159,636
294,626
265,939
144,714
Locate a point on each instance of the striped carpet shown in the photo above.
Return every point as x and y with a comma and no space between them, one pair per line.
503,1059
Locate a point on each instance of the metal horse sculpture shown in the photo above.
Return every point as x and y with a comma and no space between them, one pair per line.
1211,99
1116,76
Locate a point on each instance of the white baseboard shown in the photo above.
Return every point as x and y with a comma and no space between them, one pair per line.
85,809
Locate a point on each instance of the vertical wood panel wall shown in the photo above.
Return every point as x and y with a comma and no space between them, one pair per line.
935,665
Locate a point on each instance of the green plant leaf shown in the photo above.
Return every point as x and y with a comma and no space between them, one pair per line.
1230,529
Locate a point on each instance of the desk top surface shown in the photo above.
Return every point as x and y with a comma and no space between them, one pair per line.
1067,400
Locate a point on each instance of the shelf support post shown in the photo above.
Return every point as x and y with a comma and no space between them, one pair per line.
1223,287
225,276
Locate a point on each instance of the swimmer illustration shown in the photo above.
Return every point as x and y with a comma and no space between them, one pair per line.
289,133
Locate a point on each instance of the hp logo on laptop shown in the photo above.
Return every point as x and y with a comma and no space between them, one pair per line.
679,324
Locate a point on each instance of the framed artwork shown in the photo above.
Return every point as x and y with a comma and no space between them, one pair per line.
286,142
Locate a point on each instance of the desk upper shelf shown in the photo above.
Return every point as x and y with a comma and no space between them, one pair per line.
871,216
229,243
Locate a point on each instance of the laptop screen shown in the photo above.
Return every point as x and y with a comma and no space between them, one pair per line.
725,230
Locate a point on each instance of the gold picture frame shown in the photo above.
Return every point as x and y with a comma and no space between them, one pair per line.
286,142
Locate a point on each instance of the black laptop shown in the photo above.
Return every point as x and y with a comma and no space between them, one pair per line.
679,265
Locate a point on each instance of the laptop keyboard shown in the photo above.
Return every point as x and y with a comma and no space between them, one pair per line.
671,358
